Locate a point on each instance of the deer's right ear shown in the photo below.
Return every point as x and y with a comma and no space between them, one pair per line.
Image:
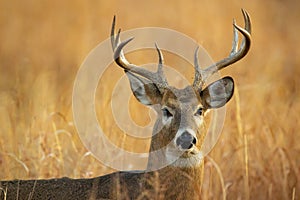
144,90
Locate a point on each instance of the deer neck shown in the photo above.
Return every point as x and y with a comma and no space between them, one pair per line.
178,182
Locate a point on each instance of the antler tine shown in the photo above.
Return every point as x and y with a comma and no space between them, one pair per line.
160,57
160,72
112,34
119,57
235,40
235,54
247,20
198,73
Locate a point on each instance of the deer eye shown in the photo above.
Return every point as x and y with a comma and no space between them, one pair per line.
166,113
199,111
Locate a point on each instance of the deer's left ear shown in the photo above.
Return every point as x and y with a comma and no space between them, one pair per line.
218,93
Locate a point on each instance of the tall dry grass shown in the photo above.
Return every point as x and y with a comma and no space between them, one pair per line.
42,44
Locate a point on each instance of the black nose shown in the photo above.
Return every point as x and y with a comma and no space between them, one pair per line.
186,140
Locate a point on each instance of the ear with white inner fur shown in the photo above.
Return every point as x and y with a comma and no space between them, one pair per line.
144,90
218,93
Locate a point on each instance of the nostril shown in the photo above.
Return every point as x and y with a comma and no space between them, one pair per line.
194,141
186,140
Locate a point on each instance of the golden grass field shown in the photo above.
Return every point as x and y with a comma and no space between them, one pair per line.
43,43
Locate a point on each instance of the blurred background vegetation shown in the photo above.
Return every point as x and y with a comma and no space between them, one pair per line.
43,43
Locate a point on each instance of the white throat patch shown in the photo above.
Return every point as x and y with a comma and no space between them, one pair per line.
184,162
192,161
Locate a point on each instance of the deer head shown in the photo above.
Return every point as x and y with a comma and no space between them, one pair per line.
178,129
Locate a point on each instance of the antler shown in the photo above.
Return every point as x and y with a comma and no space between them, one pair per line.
200,75
156,77
235,55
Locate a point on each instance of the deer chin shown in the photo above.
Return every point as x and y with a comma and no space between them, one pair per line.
184,159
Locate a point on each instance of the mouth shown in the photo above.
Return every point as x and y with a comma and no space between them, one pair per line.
190,152
184,158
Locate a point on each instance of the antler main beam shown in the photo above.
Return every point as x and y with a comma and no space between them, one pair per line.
235,55
119,57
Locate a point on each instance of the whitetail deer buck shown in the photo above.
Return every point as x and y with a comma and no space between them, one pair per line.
178,129
178,133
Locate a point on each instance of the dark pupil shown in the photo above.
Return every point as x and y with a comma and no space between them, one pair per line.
199,111
167,113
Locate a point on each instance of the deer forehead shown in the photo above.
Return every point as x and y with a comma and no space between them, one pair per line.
179,98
